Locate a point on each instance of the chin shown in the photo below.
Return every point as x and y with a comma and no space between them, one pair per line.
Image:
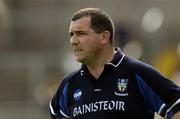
79,60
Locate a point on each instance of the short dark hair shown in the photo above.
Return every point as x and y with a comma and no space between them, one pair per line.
100,20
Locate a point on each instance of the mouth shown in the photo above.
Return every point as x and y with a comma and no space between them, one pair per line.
77,50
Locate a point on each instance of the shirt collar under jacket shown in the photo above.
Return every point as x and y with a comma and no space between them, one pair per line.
115,62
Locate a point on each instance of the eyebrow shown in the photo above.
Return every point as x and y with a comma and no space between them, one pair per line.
78,31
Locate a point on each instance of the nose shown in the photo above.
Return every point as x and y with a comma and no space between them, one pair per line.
74,40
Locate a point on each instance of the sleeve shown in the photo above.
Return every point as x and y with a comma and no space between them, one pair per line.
58,106
160,94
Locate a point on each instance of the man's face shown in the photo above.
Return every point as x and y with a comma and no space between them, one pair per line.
84,40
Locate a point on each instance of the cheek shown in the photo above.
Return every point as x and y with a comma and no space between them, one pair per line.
91,43
94,47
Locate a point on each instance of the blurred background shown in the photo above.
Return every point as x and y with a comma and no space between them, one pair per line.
35,51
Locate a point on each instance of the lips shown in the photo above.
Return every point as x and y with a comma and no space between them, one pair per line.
77,50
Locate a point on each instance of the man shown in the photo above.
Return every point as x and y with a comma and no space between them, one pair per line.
110,84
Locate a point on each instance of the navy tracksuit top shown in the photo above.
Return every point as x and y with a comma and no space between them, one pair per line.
126,89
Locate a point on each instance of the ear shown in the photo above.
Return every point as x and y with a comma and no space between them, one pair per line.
105,37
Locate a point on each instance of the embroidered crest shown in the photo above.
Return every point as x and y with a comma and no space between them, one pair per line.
122,85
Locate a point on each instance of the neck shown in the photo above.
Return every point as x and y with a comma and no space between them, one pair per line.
96,67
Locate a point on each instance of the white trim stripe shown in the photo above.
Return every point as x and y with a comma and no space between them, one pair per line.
65,115
168,110
52,111
119,61
51,108
160,109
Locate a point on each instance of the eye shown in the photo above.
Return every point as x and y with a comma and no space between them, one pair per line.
81,33
71,34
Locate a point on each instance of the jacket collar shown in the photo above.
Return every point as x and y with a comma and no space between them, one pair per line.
118,58
115,62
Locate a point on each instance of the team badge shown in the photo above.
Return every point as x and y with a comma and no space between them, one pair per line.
77,94
122,85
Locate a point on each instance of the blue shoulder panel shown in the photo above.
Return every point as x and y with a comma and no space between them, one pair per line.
150,97
64,101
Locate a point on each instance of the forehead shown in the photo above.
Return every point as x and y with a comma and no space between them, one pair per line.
80,24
